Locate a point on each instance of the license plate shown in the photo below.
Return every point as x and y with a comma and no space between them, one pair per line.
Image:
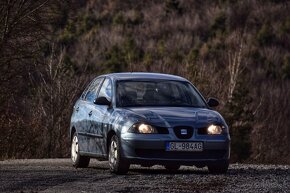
184,146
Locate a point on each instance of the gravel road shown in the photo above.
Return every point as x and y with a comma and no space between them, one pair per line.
57,175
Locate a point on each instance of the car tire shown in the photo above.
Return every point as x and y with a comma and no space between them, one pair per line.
78,160
172,168
220,167
118,164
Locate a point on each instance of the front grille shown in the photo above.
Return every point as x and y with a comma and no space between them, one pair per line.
183,132
162,154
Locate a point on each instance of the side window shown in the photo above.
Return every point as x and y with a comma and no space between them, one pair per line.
106,89
91,94
86,90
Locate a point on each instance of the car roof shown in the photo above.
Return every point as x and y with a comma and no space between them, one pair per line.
143,75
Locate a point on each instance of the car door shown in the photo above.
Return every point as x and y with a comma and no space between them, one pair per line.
80,109
86,140
99,114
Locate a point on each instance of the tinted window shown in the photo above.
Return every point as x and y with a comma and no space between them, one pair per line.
106,89
86,90
157,93
93,89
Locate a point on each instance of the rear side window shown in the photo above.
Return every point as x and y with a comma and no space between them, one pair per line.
106,89
91,93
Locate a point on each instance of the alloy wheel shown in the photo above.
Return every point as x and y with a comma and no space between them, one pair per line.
74,149
113,155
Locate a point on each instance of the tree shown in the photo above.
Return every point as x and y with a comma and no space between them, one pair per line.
239,117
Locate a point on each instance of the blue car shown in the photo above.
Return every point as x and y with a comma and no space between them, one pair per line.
148,119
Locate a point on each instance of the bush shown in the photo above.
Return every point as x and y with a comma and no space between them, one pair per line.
285,27
286,67
86,23
172,6
136,18
132,53
68,35
265,35
115,61
193,55
219,25
119,19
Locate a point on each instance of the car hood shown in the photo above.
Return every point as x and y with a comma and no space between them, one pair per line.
174,116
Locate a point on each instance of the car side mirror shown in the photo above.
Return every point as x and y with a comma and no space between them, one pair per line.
102,101
212,102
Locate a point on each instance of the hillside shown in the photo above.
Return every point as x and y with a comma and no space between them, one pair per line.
236,51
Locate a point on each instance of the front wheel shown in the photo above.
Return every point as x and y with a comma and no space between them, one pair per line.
220,167
117,163
78,160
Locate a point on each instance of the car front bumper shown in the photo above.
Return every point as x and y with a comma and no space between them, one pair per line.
149,149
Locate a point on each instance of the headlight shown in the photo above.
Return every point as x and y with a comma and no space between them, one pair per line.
142,128
214,130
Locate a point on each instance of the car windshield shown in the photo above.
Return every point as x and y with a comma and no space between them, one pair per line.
134,93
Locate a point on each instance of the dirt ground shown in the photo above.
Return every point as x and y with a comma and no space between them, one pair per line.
58,175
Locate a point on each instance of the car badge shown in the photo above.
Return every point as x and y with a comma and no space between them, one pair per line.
183,131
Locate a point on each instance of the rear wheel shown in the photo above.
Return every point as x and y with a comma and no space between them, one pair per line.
78,160
117,163
220,167
172,168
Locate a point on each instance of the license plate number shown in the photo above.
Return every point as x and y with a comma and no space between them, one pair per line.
184,146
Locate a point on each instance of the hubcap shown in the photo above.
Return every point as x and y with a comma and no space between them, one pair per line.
113,154
74,148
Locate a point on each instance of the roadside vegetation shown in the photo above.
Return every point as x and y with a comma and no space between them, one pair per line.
236,51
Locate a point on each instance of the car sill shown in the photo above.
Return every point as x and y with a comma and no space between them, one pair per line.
95,155
91,135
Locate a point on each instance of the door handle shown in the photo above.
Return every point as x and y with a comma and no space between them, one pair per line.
90,113
77,109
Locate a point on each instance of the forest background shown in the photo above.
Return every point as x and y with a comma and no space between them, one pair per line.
236,51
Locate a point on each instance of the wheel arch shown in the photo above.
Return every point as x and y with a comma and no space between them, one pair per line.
110,134
72,132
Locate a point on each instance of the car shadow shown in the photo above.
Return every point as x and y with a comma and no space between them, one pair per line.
99,168
135,170
151,171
